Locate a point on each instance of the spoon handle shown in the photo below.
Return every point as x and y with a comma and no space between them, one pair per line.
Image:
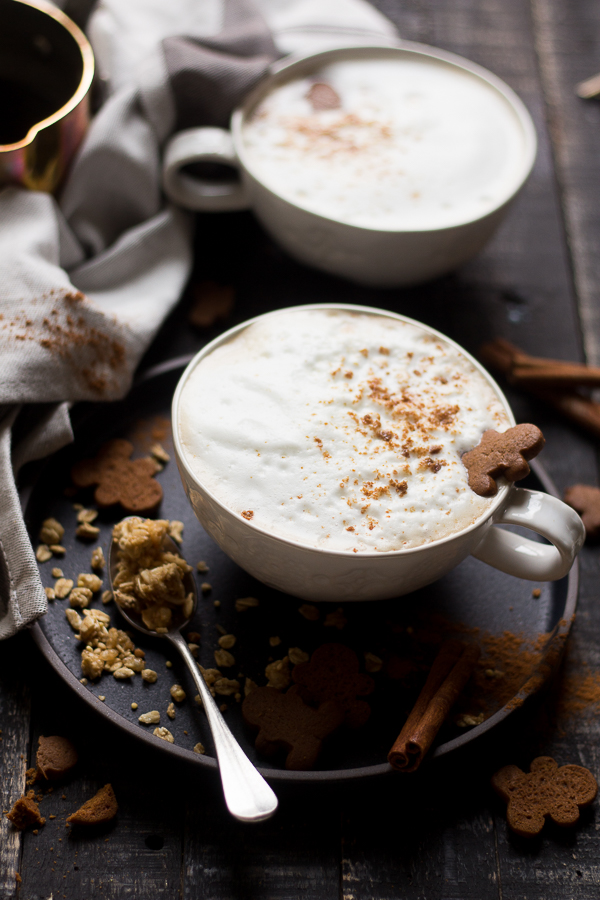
247,795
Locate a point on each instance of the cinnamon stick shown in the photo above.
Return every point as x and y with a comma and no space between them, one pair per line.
450,672
563,375
519,366
549,379
580,410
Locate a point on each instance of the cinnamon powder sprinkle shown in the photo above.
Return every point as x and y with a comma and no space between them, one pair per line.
579,694
66,333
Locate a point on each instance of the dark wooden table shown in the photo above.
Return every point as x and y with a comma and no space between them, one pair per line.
440,835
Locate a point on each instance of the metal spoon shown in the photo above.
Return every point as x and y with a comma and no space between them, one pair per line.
247,795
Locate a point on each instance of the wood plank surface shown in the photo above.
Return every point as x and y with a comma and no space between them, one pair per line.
442,834
14,748
568,48
294,854
139,854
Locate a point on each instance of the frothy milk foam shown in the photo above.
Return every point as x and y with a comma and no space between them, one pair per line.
416,144
339,430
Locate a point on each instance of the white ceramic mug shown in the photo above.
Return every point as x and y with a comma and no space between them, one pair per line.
313,573
369,256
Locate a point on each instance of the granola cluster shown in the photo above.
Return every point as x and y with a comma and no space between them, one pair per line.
106,649
149,579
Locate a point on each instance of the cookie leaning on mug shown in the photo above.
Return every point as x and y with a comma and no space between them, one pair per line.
503,453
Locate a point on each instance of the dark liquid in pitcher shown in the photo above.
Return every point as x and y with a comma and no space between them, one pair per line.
20,108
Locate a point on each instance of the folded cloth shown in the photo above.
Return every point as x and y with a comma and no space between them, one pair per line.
86,280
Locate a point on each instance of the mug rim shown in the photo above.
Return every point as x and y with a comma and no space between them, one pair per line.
87,73
280,73
226,336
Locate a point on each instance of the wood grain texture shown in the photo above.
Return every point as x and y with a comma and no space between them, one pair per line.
139,853
419,838
14,748
568,48
295,854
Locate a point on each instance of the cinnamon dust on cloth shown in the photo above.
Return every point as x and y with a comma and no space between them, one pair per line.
87,279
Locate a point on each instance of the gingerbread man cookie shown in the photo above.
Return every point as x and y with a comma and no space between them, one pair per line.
118,478
585,499
285,721
547,790
332,674
504,453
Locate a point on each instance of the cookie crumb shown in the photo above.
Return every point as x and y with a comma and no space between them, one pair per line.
55,756
25,812
102,807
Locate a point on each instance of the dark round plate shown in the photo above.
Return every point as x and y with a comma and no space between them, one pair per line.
473,594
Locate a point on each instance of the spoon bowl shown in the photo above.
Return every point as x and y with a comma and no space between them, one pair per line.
247,795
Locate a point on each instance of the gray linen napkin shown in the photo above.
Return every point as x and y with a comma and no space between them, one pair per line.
86,281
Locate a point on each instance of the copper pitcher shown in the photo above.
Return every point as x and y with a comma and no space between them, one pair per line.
46,69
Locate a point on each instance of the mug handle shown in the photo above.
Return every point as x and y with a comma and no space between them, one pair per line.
519,556
202,145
